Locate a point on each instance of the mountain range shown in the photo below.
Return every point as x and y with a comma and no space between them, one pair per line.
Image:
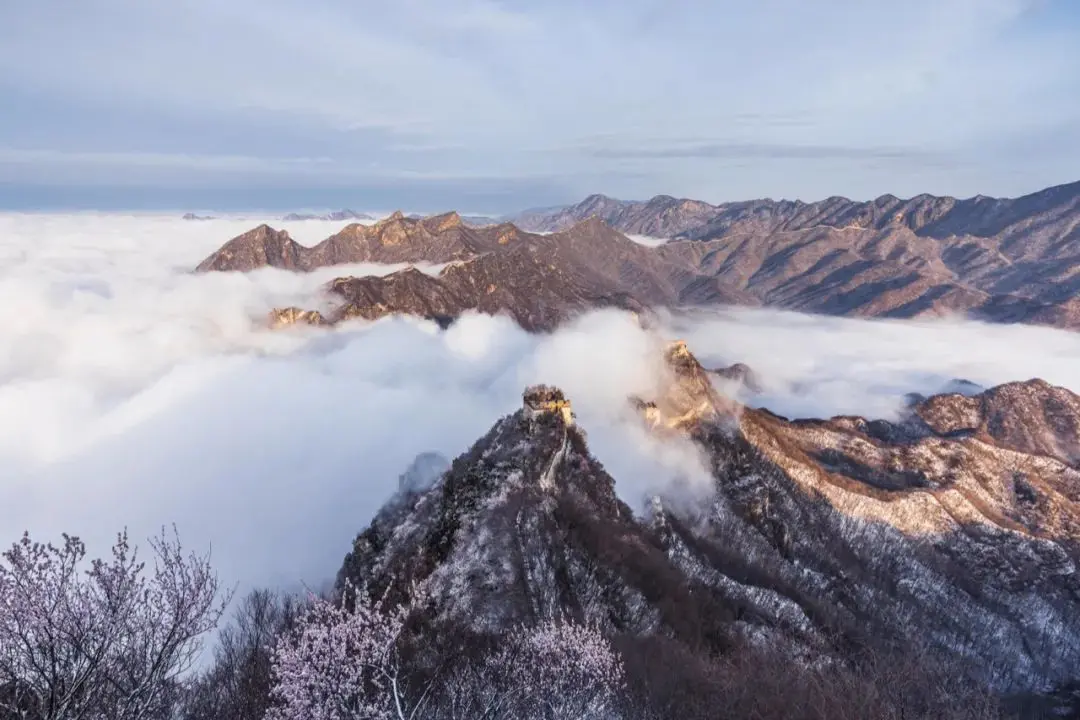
337,215
956,527
991,259
951,534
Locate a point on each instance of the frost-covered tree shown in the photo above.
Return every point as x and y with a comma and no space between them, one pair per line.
107,641
554,671
342,663
345,663
567,671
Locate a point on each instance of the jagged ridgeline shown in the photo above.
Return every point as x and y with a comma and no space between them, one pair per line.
953,530
994,259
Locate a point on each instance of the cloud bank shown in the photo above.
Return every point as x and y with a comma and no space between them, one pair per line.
135,393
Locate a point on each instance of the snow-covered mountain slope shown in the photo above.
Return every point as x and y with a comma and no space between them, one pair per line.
953,529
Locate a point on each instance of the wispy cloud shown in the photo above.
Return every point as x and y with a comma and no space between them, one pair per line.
759,151
36,158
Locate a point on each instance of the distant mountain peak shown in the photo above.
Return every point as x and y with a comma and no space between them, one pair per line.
598,197
336,215
686,396
422,473
445,221
259,247
290,316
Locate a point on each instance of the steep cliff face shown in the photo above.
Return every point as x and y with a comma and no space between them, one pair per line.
817,536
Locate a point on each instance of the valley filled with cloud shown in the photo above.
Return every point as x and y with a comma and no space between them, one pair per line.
136,393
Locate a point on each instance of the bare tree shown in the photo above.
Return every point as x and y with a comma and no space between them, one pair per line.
109,641
237,685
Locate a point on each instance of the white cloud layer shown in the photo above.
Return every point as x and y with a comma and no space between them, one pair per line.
135,393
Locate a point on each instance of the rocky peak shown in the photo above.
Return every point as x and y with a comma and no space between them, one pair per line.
592,223
443,222
597,203
505,233
678,352
422,473
259,247
289,316
687,397
742,375
1032,417
516,530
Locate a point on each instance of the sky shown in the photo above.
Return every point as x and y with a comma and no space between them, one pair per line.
492,106
134,393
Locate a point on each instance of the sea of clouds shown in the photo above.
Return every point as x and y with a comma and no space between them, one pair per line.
134,393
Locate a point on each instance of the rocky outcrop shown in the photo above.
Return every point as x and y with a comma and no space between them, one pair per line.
741,376
286,317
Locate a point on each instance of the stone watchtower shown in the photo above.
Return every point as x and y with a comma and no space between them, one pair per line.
544,400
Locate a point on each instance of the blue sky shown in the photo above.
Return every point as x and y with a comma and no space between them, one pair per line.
490,106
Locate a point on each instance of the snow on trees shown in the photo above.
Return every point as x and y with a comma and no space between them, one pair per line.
345,664
109,641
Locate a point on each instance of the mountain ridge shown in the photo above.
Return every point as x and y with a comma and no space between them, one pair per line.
919,211
887,258
817,535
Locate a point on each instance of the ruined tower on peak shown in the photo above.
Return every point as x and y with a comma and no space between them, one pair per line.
541,400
